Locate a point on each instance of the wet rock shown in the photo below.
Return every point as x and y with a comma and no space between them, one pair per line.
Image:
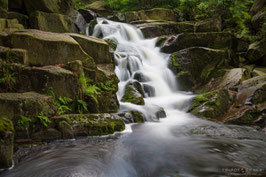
257,52
66,130
212,105
92,25
140,77
92,124
132,95
98,49
87,14
22,19
139,87
152,14
43,79
79,21
198,63
132,116
55,6
56,48
215,40
160,113
149,90
51,22
30,104
6,142
49,134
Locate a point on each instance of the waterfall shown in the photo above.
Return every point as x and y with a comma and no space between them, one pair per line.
136,55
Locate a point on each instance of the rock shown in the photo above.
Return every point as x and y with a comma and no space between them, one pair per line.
6,143
160,113
149,90
17,56
120,17
160,14
257,6
132,95
66,130
10,26
56,48
215,40
92,25
100,8
140,77
137,116
258,20
98,49
22,19
93,124
3,8
259,71
256,52
76,67
107,76
13,105
87,14
42,79
49,6
79,21
108,102
200,64
212,105
156,29
3,52
51,22
3,37
210,25
49,134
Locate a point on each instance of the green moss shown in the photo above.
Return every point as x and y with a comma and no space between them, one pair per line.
112,44
137,116
132,95
160,41
5,126
247,118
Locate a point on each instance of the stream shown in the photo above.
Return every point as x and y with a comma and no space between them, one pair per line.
179,145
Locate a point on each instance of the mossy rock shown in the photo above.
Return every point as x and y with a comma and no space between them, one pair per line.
56,48
66,130
49,6
212,105
199,63
3,8
51,22
209,25
100,8
214,40
10,25
151,14
6,142
132,95
138,117
98,49
93,124
247,117
108,102
30,104
22,19
257,52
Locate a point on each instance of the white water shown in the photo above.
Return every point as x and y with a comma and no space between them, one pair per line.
134,54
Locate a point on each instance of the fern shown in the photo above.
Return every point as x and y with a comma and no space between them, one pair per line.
44,119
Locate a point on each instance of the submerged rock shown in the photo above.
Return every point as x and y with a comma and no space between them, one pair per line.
92,124
6,142
132,95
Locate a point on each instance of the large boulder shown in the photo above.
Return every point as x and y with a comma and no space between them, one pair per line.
3,8
43,79
52,22
87,14
45,48
212,105
13,105
92,124
49,6
215,40
132,95
152,14
98,49
6,143
197,65
257,52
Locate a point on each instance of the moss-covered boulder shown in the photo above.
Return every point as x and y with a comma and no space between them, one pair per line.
45,48
22,19
92,124
10,26
198,65
151,14
215,40
13,105
51,22
66,130
13,55
98,49
100,8
210,25
257,52
49,6
153,29
6,143
48,134
132,95
108,102
3,8
212,105
62,82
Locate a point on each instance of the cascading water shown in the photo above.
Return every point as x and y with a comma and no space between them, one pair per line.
139,60
178,145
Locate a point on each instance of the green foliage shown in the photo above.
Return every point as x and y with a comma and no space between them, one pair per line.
24,123
81,106
44,119
80,4
92,90
64,105
106,86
